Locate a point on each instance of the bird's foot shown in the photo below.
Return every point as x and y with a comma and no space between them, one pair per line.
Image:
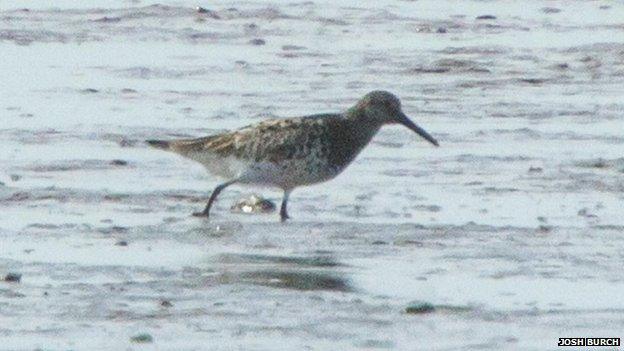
284,217
200,214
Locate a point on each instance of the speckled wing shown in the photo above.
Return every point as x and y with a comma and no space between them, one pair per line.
285,139
272,140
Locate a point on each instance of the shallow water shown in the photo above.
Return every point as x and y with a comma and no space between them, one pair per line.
511,230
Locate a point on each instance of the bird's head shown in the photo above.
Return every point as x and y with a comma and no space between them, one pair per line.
382,107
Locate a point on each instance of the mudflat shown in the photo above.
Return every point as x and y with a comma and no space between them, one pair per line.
508,236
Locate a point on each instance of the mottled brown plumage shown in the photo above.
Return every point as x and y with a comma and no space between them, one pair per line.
291,152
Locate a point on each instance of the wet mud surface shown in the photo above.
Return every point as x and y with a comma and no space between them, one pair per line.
508,236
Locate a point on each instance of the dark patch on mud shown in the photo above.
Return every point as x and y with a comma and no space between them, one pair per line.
499,190
550,10
26,37
204,12
601,163
486,17
426,307
533,81
107,19
257,42
121,243
164,73
143,338
475,50
451,65
428,208
419,308
13,277
114,230
293,48
315,261
75,165
295,280
470,158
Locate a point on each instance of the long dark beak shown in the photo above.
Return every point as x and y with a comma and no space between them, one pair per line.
404,120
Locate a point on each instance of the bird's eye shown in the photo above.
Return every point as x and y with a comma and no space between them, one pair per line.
392,106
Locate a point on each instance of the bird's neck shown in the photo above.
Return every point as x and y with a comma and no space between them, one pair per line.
347,136
363,127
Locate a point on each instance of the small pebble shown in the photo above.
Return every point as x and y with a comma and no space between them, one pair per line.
166,303
121,243
90,90
441,30
13,277
486,17
253,204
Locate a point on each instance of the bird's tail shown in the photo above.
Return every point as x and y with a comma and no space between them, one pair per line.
185,147
159,144
196,149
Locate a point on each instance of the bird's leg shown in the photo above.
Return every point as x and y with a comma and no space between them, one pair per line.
213,197
283,211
